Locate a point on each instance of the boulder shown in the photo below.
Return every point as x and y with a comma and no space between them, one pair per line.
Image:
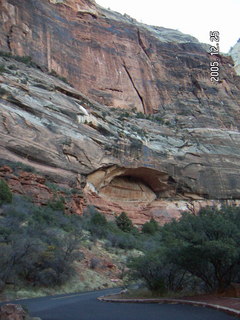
14,312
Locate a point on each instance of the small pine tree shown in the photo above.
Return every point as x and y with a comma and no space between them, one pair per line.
5,193
124,223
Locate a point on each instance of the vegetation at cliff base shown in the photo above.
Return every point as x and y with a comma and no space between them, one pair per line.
198,252
119,233
37,245
150,227
5,193
40,245
123,222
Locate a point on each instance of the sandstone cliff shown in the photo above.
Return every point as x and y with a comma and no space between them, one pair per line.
118,61
122,161
183,156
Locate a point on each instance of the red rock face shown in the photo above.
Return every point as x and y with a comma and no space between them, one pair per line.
186,159
33,186
27,184
118,61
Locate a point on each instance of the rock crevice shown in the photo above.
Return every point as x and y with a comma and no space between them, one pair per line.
135,88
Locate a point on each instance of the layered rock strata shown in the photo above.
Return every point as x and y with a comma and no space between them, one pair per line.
171,142
122,161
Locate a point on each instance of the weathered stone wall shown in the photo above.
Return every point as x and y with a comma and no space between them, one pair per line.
185,158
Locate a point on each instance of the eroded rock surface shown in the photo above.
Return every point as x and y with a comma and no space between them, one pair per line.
36,187
183,155
120,161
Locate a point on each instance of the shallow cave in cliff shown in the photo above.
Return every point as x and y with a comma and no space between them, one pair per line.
131,184
128,188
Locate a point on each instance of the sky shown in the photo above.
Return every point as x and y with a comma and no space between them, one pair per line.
196,18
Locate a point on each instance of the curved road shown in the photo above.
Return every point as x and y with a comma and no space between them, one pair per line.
85,306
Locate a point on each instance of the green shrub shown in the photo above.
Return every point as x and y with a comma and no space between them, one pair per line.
95,222
23,167
98,226
13,67
124,223
56,75
205,248
158,272
17,166
98,219
207,245
37,245
140,115
5,193
57,203
2,68
119,234
150,227
158,119
54,187
5,54
24,59
122,240
124,115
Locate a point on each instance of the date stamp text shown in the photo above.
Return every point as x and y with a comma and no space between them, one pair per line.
214,51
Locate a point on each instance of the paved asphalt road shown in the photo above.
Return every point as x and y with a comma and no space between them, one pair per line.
84,306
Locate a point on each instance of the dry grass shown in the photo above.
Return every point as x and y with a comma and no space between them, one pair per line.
144,293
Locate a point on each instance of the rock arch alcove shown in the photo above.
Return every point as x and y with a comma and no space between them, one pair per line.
130,185
143,193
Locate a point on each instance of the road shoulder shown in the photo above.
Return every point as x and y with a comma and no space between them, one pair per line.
218,306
